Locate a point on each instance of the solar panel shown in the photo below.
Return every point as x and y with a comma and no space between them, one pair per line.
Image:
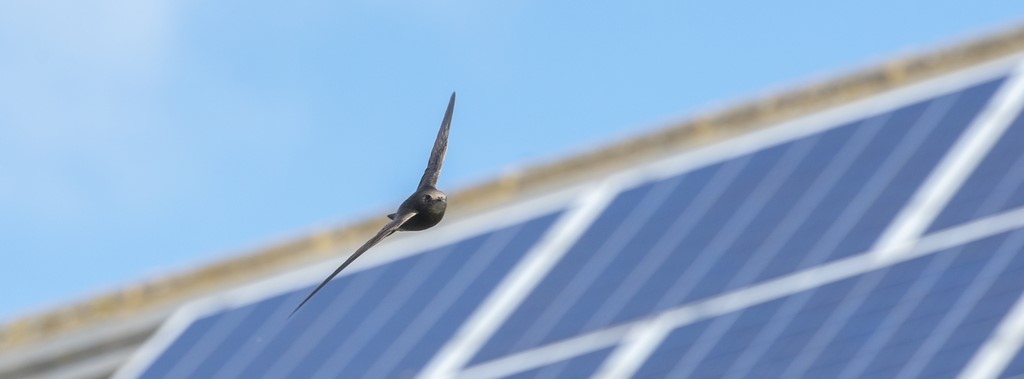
774,259
748,219
998,177
381,322
920,318
581,366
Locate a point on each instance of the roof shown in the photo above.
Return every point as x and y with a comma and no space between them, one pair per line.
117,322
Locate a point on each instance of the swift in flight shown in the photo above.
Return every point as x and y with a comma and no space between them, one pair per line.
422,210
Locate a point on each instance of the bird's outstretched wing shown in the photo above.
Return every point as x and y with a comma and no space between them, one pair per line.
440,148
387,230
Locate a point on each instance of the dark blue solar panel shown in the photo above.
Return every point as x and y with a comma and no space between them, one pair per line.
924,318
744,220
382,322
996,185
172,355
582,366
662,359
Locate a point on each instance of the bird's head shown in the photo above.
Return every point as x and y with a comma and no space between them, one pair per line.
432,196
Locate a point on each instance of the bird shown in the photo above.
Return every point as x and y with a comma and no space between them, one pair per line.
421,210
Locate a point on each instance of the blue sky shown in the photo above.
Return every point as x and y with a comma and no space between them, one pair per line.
146,137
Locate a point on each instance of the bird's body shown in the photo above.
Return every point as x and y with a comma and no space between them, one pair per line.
422,210
429,205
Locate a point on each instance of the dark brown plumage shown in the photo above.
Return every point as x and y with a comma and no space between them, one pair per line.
422,210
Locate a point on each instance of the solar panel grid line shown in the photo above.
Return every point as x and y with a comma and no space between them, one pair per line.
835,322
958,163
551,372
857,203
1007,185
555,371
760,293
792,374
824,336
745,362
885,174
794,304
737,222
1004,220
1000,162
802,126
753,204
627,358
277,344
696,355
896,317
357,290
967,338
448,294
955,235
721,178
598,240
664,246
583,366
992,358
788,225
236,361
638,218
752,184
184,367
546,324
403,245
705,309
909,337
589,273
158,343
519,282
363,316
344,352
977,288
313,334
807,263
1001,195
545,355
826,119
179,321
243,366
831,239
1013,367
360,355
634,349
388,252
995,354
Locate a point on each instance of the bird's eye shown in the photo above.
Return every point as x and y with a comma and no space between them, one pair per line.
426,197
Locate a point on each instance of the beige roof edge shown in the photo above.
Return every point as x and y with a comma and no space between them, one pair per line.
162,292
